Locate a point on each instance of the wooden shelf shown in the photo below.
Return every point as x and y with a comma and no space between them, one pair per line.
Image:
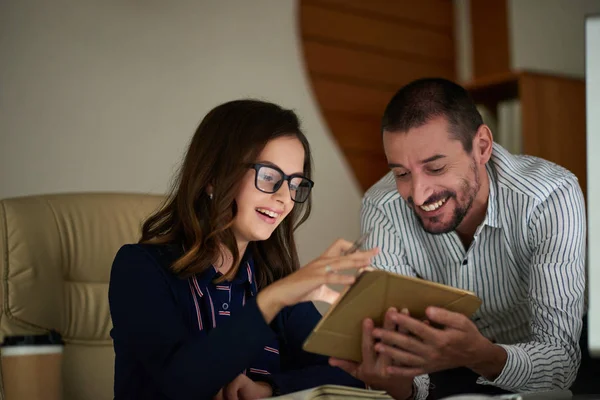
495,88
552,114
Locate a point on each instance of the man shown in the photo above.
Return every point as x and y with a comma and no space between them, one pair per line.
460,210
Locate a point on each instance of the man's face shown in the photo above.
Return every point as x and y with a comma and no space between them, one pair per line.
434,174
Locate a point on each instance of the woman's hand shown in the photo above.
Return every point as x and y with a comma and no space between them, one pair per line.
244,388
309,282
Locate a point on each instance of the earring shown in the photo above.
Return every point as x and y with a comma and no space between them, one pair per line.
210,196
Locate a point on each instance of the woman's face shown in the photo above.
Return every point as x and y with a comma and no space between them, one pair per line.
259,213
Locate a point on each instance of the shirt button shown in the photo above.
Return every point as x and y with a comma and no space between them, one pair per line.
225,306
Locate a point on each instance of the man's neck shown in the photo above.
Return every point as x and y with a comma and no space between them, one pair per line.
476,215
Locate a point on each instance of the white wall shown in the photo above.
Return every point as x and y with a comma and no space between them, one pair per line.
544,36
593,189
104,95
548,35
462,39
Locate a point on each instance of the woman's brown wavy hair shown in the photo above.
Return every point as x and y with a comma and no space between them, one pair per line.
230,136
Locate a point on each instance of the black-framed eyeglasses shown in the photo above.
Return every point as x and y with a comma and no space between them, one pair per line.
269,178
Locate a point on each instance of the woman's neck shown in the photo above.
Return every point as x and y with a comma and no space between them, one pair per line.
225,261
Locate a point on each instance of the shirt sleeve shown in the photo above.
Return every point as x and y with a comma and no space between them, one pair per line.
300,369
551,358
391,257
149,326
421,383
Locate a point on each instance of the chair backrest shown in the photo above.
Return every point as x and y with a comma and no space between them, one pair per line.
56,253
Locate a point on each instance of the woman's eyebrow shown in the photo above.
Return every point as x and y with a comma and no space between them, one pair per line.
270,164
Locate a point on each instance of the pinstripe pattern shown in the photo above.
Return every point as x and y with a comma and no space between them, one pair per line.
196,306
220,298
212,308
526,262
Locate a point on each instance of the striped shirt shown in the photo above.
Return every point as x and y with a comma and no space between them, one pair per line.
214,304
186,339
526,263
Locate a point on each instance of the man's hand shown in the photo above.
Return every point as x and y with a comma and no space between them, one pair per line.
425,349
244,388
374,369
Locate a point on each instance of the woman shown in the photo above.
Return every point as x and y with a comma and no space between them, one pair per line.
212,303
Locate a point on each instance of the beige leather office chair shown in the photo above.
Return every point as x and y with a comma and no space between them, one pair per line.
55,257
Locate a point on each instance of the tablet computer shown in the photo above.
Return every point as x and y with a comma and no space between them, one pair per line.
339,333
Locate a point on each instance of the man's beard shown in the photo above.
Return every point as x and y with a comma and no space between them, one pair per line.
468,193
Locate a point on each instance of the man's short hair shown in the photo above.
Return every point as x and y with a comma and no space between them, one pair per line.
424,99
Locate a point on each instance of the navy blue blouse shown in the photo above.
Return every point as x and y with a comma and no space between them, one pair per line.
187,338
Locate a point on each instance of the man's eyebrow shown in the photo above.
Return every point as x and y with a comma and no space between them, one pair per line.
425,161
432,158
395,166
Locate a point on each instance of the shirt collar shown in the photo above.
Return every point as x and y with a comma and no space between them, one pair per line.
492,217
245,274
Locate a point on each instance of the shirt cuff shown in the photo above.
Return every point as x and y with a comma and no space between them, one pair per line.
421,383
516,372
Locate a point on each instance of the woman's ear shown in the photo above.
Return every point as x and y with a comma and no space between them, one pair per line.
209,191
